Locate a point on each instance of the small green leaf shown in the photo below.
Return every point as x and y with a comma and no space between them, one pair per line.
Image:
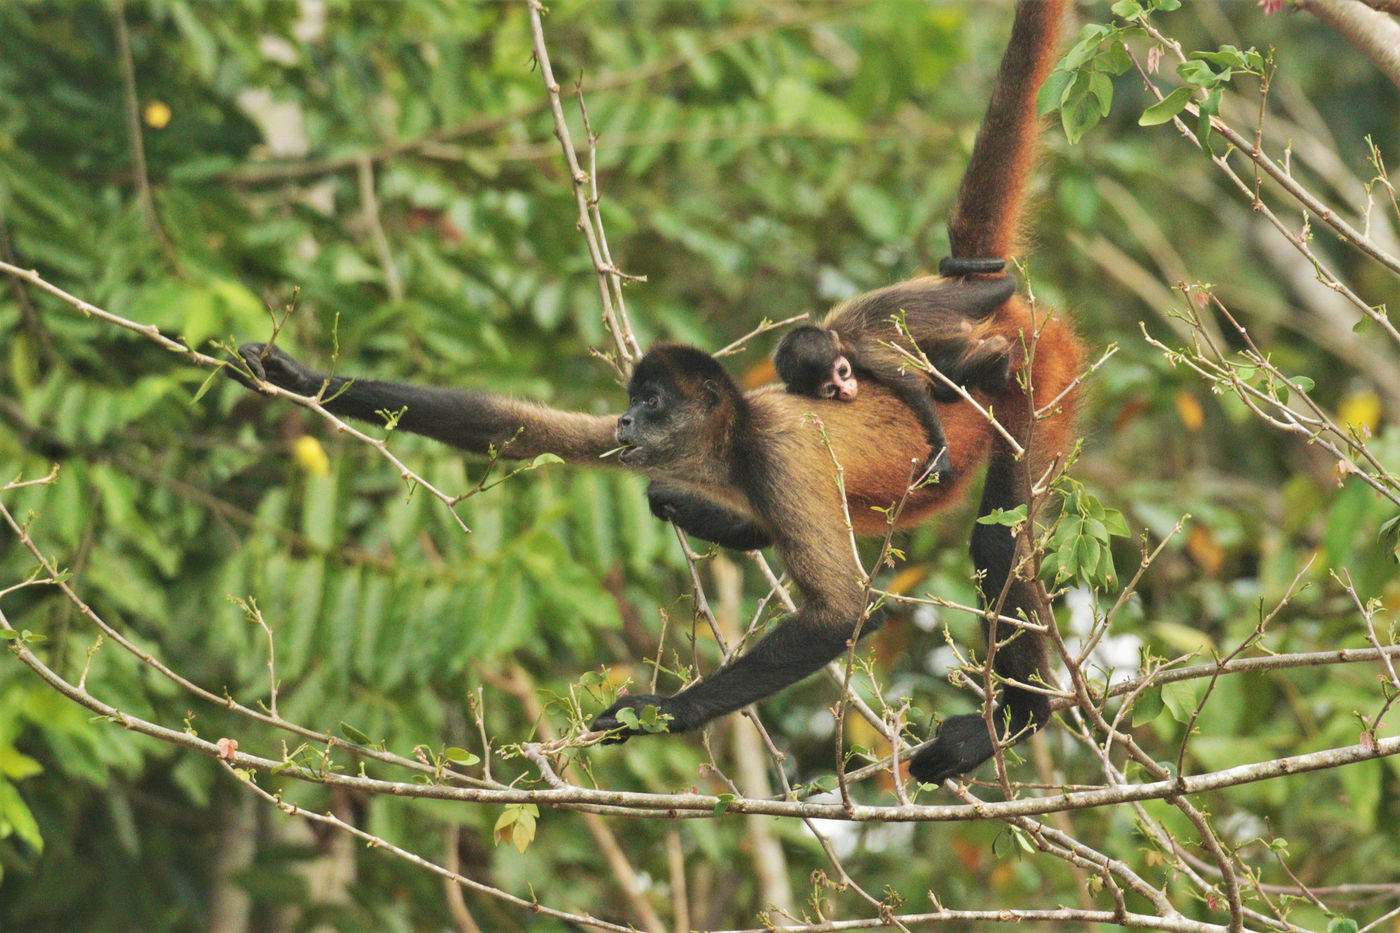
1052,92
722,803
1116,524
1211,105
354,735
1008,517
517,825
1165,109
1080,113
1102,88
460,756
1183,697
1198,73
1228,56
1148,707
1089,38
204,386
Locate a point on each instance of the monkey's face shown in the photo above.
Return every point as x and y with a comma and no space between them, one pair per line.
666,430
811,362
840,382
647,427
673,425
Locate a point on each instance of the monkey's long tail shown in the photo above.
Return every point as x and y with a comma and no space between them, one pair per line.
992,197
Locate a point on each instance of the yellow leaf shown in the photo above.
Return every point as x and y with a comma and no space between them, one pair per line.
157,114
1361,410
1204,549
904,581
311,456
1189,410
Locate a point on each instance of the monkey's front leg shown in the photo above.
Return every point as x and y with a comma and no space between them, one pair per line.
478,422
704,518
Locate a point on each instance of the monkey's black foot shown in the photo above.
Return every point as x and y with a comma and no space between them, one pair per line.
962,744
649,713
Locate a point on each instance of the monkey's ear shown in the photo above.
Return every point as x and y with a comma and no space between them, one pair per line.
710,393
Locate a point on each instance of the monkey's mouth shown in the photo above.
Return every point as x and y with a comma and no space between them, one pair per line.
625,453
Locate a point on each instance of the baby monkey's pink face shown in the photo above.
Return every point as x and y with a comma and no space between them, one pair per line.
842,383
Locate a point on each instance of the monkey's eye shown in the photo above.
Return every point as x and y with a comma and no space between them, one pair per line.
843,370
652,401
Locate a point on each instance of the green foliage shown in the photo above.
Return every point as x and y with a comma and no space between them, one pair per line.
1080,546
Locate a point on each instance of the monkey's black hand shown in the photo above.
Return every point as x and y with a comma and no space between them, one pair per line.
640,722
938,464
706,519
272,365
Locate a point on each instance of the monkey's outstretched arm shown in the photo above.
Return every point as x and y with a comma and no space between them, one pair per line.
473,421
800,645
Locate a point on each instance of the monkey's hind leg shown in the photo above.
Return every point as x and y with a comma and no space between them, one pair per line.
965,742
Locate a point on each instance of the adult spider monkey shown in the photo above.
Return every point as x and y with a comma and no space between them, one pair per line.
747,470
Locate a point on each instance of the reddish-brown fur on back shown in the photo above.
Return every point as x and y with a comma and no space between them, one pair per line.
876,439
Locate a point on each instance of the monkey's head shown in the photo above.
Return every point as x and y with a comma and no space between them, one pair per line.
682,409
810,362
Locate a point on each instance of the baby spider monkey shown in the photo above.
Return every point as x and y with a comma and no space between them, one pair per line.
946,318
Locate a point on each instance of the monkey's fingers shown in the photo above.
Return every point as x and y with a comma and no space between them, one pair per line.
245,363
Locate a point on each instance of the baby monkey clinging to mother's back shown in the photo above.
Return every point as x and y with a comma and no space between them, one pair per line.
945,317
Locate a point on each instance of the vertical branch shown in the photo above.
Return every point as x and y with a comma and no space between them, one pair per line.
589,222
461,915
680,892
369,205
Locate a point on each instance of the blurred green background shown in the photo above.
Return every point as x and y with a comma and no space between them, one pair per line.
756,161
